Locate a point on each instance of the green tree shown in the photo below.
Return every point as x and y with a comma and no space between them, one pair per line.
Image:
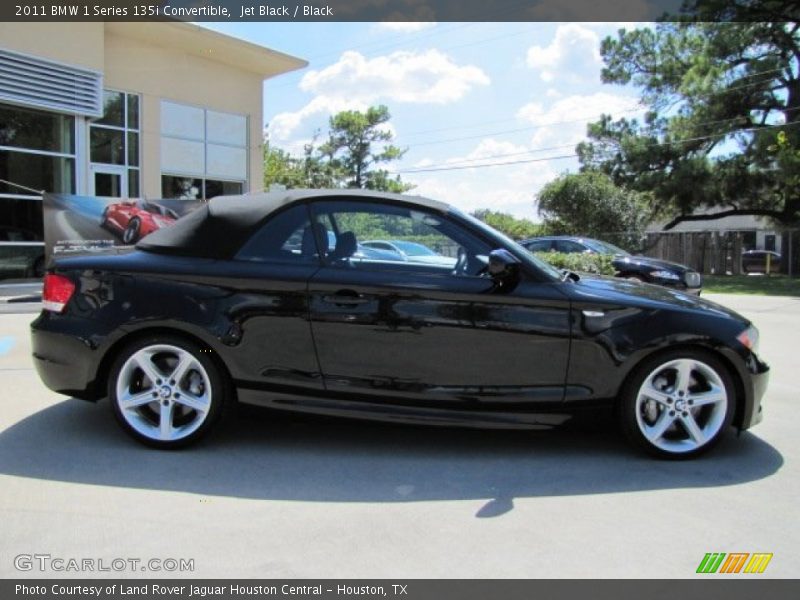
358,143
281,168
309,171
719,95
590,204
513,227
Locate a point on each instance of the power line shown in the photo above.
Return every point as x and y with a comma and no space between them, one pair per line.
535,150
534,160
503,164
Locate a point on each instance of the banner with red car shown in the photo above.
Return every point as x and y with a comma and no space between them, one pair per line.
75,224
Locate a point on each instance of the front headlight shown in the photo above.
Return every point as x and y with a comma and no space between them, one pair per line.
749,338
665,275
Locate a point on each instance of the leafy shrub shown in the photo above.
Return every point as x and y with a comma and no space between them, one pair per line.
581,262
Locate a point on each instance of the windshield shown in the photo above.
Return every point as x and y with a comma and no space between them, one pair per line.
605,247
519,251
413,249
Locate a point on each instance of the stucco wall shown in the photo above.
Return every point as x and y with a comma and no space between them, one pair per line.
79,44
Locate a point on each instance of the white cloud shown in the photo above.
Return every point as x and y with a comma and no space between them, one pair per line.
406,26
510,188
415,77
573,49
565,120
284,124
354,82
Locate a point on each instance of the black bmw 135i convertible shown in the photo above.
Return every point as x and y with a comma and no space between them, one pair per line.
267,299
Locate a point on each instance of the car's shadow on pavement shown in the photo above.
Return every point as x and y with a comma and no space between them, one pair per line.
261,455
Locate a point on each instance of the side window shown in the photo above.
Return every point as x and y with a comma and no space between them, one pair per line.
568,246
285,237
374,236
539,246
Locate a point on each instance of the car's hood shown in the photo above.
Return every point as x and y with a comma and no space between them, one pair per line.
647,261
644,295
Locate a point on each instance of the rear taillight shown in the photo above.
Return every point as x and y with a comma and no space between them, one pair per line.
57,292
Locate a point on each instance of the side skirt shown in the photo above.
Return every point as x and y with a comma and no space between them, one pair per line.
400,414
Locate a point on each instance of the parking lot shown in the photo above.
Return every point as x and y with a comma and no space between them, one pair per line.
273,496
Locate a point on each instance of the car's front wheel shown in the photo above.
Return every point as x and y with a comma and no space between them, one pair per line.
131,233
166,392
678,404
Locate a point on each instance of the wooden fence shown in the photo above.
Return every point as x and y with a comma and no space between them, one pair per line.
713,253
718,253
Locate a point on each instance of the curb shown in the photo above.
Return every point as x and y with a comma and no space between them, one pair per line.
16,299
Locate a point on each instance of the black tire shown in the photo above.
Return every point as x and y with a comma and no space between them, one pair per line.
131,233
640,410
203,384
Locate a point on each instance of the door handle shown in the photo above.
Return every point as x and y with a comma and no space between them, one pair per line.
345,298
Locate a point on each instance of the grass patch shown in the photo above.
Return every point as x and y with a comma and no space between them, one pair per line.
761,285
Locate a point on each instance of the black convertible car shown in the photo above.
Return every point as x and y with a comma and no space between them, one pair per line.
227,306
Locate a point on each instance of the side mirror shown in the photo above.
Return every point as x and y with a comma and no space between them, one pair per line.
503,265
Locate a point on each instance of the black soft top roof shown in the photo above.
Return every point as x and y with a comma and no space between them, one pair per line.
220,227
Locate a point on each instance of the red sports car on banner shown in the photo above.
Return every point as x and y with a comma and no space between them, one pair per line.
136,219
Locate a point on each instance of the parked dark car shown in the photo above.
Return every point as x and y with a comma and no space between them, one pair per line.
21,253
755,261
135,219
221,308
628,266
411,251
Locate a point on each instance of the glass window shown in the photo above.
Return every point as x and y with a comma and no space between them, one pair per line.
21,239
539,245
204,144
195,188
133,111
36,130
182,121
568,246
107,146
113,109
373,236
286,237
133,183
184,188
108,185
36,171
37,153
222,188
133,149
114,138
21,219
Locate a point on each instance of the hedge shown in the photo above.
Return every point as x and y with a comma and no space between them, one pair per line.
580,262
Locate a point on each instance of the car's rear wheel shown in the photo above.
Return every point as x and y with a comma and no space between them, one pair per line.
678,404
165,392
131,233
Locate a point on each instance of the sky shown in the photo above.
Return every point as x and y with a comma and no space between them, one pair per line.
461,95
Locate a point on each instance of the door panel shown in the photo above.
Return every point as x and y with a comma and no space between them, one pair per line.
429,338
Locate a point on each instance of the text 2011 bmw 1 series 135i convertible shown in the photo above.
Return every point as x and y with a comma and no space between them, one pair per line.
265,299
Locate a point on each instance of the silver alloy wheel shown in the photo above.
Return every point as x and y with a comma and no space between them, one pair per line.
681,405
163,392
